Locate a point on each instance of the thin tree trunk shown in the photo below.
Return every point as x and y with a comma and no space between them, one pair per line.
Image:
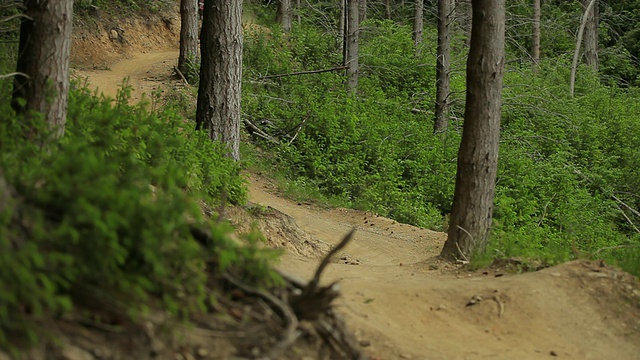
43,56
591,36
218,109
342,30
418,23
443,66
535,36
298,12
467,23
353,26
283,15
188,37
576,53
363,10
387,6
478,156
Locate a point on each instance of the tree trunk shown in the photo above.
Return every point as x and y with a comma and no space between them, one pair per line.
283,15
418,23
535,35
387,7
298,12
43,56
352,45
591,35
218,109
363,10
188,37
342,30
478,155
443,66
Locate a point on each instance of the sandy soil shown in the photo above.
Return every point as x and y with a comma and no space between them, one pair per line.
403,303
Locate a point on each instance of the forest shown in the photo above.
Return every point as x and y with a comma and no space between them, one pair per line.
358,104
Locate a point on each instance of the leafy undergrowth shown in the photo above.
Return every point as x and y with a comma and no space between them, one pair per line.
111,216
568,173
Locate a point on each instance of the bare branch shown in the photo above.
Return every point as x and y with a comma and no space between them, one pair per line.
337,68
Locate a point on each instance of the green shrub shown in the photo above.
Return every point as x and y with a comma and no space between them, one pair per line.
105,215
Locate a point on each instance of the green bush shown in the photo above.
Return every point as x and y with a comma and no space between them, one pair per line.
105,215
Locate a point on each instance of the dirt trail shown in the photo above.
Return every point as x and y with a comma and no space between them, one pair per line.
405,304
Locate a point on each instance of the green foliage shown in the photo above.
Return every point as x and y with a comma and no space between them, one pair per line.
568,171
107,213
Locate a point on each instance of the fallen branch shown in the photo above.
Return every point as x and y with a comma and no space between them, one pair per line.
337,68
291,332
175,68
299,127
13,74
258,132
613,248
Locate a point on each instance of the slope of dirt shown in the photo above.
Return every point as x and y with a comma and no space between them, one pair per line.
404,303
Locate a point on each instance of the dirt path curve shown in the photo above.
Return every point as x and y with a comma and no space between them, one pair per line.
146,73
404,304
408,305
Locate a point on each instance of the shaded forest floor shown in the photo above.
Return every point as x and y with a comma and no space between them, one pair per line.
397,297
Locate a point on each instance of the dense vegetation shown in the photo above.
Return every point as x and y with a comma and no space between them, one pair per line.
113,215
110,210
568,175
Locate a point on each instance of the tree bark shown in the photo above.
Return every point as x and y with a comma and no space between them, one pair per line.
283,15
418,23
478,155
342,30
363,10
188,37
591,35
443,66
43,56
218,108
353,26
387,7
535,36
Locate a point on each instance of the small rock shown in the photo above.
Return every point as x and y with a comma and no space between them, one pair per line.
405,356
365,343
597,275
553,353
70,352
202,353
113,35
556,274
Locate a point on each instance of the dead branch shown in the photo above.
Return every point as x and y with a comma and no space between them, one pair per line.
613,248
291,332
299,127
175,68
258,132
311,287
13,74
337,68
